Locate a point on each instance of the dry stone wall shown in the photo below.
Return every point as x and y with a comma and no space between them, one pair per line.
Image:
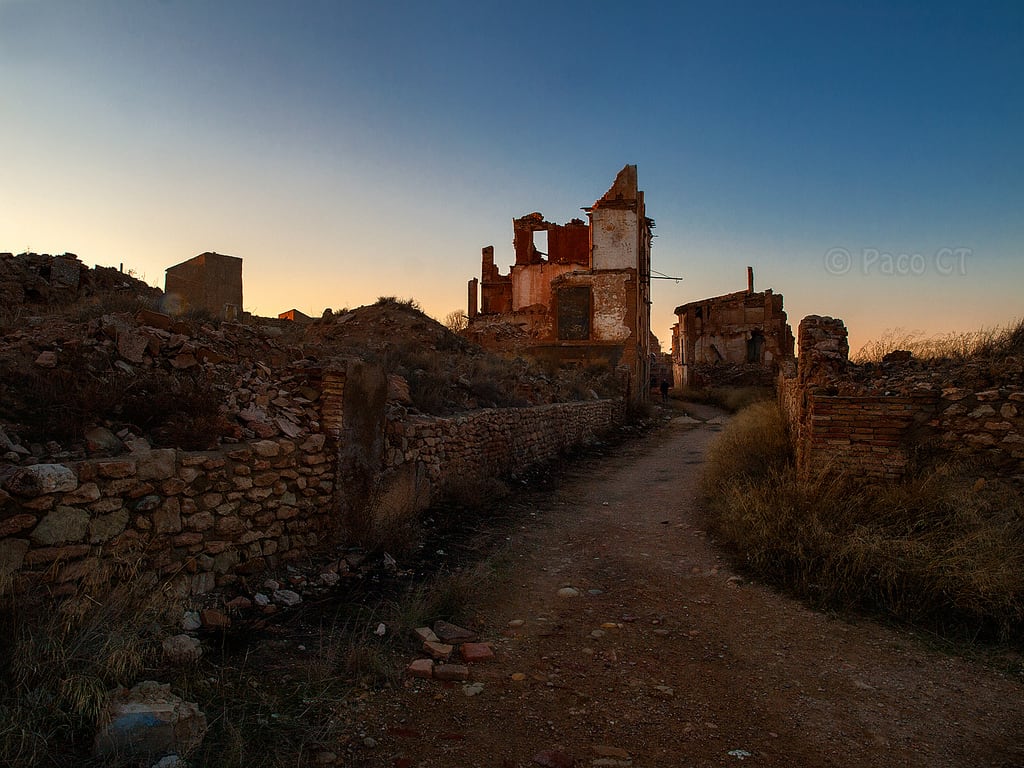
496,442
202,520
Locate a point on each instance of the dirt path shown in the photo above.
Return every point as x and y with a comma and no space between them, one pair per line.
666,658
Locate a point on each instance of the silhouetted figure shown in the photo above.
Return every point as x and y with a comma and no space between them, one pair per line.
664,390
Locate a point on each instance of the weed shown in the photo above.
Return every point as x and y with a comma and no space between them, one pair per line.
932,550
984,344
58,666
732,399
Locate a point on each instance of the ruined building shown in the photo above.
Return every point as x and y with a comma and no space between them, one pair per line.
736,339
209,281
586,300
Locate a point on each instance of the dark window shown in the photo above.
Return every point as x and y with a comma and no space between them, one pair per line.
755,347
573,306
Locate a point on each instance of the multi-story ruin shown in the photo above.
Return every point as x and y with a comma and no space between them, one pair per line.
738,338
585,300
209,281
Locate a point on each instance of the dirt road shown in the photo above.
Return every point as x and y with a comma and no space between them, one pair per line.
667,658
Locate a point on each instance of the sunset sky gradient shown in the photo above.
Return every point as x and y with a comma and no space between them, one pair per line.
351,150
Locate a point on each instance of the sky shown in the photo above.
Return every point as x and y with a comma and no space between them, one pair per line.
866,159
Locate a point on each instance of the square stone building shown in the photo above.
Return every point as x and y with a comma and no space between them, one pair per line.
209,281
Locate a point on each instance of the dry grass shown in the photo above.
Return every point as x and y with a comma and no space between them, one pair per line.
932,551
58,666
732,399
983,344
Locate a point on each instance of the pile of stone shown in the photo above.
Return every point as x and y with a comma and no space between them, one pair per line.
448,650
42,279
234,360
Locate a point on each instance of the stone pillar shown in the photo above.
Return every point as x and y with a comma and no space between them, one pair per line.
824,350
473,286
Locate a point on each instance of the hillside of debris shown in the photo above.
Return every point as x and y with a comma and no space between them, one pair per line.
89,365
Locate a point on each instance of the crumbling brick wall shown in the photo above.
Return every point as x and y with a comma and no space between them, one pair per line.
884,423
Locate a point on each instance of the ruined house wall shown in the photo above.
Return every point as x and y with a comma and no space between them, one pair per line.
524,312
531,285
615,238
715,335
886,431
613,302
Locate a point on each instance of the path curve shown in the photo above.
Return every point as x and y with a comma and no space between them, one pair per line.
668,658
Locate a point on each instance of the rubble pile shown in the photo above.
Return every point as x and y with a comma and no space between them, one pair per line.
89,366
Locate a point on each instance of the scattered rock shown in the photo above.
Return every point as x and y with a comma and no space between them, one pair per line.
181,650
100,441
426,634
552,758
472,689
440,651
568,592
148,720
169,761
47,359
473,653
287,598
453,634
211,618
190,622
423,668
455,672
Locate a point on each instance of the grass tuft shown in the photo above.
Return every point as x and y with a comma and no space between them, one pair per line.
935,551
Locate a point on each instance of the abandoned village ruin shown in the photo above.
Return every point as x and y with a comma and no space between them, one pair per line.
588,300
317,443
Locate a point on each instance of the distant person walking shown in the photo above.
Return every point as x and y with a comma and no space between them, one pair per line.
664,390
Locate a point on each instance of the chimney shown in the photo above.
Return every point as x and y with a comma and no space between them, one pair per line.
750,279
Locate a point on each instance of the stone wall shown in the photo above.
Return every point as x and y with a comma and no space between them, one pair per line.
496,442
881,422
205,519
199,518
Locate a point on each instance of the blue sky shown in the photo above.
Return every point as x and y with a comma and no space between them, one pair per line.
865,158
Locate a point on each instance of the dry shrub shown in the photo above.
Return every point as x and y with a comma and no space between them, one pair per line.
931,550
732,399
983,344
58,665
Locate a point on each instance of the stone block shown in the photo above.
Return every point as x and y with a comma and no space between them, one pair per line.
86,493
451,672
167,519
422,668
473,653
106,527
200,521
116,469
16,524
12,555
62,525
41,479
